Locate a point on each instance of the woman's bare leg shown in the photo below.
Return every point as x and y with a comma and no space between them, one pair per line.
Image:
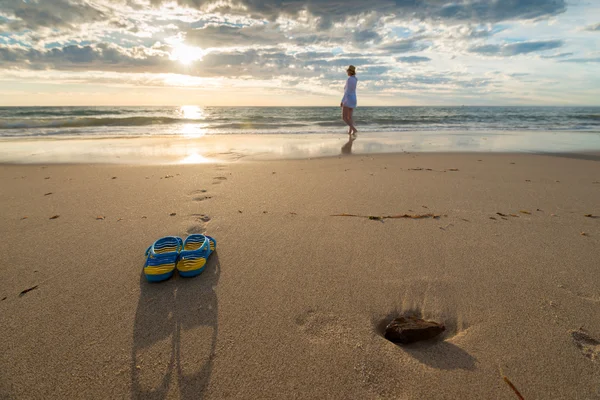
350,121
346,118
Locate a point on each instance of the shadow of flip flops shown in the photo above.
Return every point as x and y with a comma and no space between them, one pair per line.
175,333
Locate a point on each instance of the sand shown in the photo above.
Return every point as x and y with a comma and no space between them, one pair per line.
291,303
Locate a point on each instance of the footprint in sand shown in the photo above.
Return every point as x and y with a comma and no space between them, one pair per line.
200,195
589,346
200,223
322,327
201,218
196,229
218,179
202,198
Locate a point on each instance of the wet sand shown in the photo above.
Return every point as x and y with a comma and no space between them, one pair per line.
291,303
195,148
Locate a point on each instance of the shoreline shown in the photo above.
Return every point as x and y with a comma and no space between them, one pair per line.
203,149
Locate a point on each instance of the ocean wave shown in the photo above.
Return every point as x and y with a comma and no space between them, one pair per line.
252,125
93,122
124,121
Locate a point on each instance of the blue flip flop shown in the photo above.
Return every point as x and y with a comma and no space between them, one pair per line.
162,258
196,250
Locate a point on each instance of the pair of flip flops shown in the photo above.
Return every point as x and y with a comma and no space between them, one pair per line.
189,256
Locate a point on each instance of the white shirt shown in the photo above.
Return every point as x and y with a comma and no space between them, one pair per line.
349,99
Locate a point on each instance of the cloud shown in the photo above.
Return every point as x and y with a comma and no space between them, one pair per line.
366,35
514,49
560,55
101,57
405,45
413,59
49,13
338,10
264,63
265,34
581,60
231,36
593,28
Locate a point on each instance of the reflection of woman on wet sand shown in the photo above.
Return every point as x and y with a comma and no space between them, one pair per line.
348,103
347,148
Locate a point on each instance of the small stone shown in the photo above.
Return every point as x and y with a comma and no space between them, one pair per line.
173,214
54,216
114,177
405,330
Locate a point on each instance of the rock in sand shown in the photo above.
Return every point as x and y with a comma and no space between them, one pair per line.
405,330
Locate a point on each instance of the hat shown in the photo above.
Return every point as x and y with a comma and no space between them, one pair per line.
352,69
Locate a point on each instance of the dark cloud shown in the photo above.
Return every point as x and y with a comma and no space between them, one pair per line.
560,55
101,57
513,49
413,59
34,14
271,34
405,45
593,28
337,10
366,35
582,60
230,36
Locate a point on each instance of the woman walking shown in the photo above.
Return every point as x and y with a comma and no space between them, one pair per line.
349,100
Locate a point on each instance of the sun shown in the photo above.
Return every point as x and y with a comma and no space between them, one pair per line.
186,54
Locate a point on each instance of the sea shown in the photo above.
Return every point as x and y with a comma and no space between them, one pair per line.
85,122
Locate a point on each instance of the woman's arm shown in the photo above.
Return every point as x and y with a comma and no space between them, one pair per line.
350,86
346,92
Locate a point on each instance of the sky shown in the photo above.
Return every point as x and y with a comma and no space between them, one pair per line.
295,52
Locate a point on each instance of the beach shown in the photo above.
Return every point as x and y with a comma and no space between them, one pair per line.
292,303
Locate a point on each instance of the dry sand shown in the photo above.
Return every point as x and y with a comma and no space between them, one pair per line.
290,303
